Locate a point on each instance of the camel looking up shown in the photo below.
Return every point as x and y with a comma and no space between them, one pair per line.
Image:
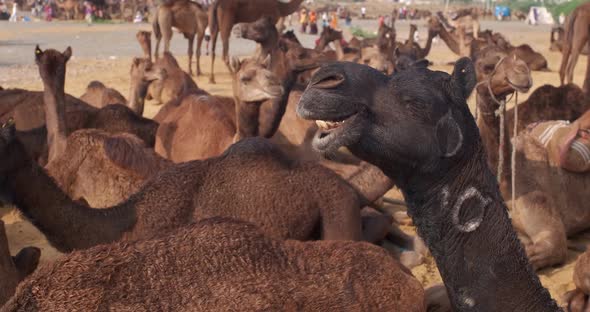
224,14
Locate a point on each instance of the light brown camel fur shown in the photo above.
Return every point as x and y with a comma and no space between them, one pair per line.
14,269
99,96
71,8
224,14
175,82
469,22
577,299
333,36
223,264
543,227
577,35
190,18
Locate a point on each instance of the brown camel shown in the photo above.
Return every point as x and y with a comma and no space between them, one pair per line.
223,264
175,83
556,44
452,195
577,299
99,96
577,33
224,14
534,215
14,269
330,35
190,18
71,8
468,21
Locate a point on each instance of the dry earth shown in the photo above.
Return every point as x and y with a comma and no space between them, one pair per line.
104,52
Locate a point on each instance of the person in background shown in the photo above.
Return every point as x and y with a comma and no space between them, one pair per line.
13,16
561,19
48,12
313,23
381,20
348,18
88,12
303,20
334,20
138,17
325,19
363,12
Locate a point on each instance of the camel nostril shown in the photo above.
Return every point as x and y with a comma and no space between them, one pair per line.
329,82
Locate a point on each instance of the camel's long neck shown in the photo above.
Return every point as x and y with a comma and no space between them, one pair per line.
339,50
66,224
411,37
450,40
463,219
286,9
55,115
137,94
428,46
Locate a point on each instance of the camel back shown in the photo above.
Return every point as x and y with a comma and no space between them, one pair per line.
551,134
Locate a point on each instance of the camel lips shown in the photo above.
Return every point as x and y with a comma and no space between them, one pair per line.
328,125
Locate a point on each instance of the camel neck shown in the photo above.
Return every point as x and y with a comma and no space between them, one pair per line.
428,46
339,50
463,219
137,94
450,40
55,113
66,224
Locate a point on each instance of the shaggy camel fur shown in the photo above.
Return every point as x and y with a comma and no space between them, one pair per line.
477,252
577,299
533,215
224,14
99,96
175,83
221,264
577,34
14,269
294,207
190,18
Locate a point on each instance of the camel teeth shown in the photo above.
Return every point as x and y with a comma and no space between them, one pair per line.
328,125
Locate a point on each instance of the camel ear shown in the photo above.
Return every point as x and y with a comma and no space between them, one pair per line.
38,53
448,135
464,76
235,64
8,130
68,53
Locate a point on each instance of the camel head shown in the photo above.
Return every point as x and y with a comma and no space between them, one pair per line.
504,73
12,154
145,41
253,81
142,73
373,58
301,59
52,64
417,117
290,36
260,31
435,26
328,35
385,37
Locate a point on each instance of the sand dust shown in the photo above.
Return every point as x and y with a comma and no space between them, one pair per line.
115,73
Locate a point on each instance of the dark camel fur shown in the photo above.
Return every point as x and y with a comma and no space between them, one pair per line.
556,44
380,119
14,269
221,264
577,35
99,96
175,83
287,200
224,14
190,18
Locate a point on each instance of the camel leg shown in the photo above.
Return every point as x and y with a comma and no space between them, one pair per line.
199,44
213,44
543,225
586,86
567,48
577,46
191,41
225,34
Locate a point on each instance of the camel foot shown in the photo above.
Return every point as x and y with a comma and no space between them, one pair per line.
212,80
199,73
543,254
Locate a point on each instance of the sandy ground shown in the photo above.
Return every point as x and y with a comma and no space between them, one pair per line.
104,52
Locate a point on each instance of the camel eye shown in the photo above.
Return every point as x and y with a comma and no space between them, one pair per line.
245,79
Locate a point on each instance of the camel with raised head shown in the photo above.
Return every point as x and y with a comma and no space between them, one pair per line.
71,8
577,35
14,269
223,264
224,14
190,18
445,179
541,224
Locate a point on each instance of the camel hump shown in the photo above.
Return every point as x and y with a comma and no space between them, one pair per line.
257,146
130,152
95,84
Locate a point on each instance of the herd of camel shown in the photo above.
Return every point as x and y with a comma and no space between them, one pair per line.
271,199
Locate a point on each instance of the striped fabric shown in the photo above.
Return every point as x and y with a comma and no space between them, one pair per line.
551,135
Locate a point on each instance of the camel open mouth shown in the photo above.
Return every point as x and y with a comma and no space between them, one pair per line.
330,134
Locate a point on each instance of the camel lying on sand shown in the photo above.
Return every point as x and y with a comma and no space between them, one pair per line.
99,96
222,264
14,269
480,259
